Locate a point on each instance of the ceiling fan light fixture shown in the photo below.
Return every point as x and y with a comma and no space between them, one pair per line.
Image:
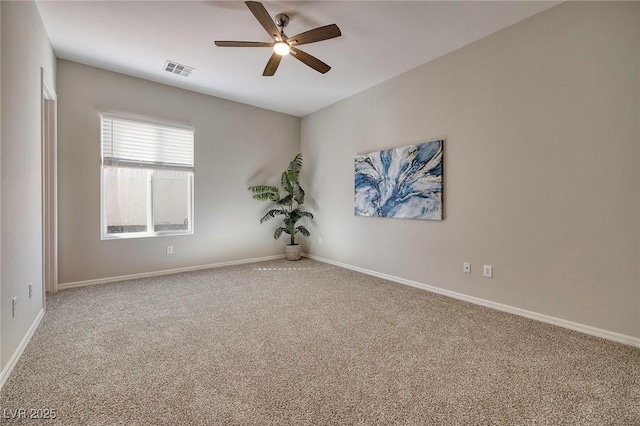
281,48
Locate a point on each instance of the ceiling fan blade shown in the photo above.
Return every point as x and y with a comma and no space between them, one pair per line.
272,65
242,44
265,20
309,60
317,34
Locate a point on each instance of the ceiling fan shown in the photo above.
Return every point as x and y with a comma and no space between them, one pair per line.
283,45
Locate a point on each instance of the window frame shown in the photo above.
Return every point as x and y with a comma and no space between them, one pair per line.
104,234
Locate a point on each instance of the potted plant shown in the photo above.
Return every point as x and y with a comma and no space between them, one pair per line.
287,206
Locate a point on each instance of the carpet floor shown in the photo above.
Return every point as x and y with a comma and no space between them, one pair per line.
278,343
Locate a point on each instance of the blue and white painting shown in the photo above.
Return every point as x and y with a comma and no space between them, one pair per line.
402,182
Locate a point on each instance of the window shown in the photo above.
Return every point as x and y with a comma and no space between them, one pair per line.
147,178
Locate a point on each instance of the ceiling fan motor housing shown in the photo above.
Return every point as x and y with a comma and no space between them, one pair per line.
282,20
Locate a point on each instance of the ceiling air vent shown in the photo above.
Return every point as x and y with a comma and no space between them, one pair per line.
176,68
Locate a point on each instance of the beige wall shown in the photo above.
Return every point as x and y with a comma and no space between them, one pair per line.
1,299
235,146
25,50
542,176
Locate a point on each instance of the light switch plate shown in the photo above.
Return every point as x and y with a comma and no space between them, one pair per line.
488,271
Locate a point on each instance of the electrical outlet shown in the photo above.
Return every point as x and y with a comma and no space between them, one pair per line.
466,267
14,306
169,249
320,241
30,290
488,271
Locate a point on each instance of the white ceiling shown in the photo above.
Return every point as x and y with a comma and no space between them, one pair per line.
380,39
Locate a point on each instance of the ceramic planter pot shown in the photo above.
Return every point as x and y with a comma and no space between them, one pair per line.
293,252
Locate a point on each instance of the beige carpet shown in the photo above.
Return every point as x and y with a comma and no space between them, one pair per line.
280,342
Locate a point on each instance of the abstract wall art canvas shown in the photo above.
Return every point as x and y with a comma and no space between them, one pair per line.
402,182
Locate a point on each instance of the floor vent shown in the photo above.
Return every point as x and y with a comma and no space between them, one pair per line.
176,68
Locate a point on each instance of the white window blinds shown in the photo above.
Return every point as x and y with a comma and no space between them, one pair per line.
133,143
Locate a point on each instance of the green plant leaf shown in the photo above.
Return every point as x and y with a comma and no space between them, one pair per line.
286,201
289,223
265,192
278,232
304,231
295,215
293,171
287,185
296,164
299,195
271,214
262,188
263,197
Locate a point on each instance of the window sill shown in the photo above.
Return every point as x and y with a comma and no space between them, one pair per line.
143,235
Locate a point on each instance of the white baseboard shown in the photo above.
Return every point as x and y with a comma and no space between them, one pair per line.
6,371
586,329
64,286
